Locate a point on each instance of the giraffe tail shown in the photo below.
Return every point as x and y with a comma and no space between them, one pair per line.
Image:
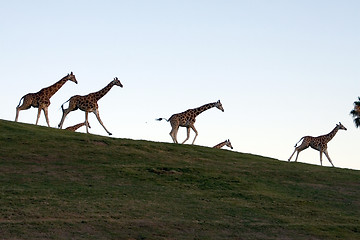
62,106
159,119
298,141
20,101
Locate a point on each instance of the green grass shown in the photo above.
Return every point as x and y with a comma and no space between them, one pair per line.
56,184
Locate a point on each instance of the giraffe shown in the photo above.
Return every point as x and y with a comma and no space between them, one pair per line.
88,103
41,99
187,119
76,126
224,143
318,143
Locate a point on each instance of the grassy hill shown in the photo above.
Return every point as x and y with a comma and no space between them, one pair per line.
62,185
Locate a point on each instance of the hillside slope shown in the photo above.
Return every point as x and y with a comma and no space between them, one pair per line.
63,185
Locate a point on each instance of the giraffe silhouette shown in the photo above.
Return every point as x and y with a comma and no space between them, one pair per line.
187,119
318,143
41,99
88,103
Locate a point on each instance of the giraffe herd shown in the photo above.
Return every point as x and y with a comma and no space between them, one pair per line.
88,103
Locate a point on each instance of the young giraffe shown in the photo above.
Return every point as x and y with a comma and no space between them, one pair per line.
318,143
76,127
88,103
187,119
41,99
224,143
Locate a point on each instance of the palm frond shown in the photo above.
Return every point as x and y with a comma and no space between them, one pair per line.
357,122
356,113
357,104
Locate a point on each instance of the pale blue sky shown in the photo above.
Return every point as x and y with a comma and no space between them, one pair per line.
282,69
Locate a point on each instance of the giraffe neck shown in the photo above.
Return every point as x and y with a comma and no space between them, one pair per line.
203,108
75,127
331,134
220,145
103,91
78,125
51,90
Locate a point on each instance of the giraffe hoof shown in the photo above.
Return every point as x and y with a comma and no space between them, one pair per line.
110,134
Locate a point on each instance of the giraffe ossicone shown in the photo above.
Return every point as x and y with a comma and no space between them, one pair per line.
318,143
41,99
187,119
88,103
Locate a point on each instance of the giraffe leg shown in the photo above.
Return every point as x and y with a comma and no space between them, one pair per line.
196,133
328,157
63,118
300,148
87,125
297,155
173,134
38,115
292,155
86,120
25,105
96,112
46,115
174,130
321,157
72,107
18,109
187,136
17,114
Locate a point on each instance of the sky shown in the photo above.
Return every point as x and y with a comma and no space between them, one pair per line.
283,69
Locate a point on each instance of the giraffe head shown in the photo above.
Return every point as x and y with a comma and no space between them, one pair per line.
219,106
71,77
228,143
117,82
340,126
